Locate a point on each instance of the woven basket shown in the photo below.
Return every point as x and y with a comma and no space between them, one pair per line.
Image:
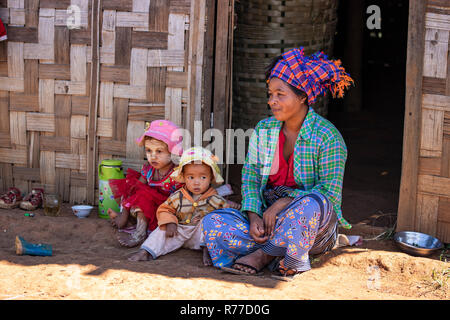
266,29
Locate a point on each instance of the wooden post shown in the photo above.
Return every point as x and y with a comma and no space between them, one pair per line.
229,86
221,67
412,125
93,103
208,69
196,40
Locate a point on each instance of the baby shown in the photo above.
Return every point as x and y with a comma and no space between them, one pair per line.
179,217
141,193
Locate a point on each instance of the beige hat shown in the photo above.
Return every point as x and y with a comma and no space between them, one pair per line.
197,154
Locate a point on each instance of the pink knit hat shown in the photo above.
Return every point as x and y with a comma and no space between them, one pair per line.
166,131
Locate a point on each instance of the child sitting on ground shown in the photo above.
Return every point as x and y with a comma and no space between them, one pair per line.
180,216
141,193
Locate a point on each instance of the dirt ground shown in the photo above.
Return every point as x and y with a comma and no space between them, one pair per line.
87,263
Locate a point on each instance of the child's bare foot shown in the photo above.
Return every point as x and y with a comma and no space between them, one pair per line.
118,220
206,257
141,255
130,240
112,214
138,236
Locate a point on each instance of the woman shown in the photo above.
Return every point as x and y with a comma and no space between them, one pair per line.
292,177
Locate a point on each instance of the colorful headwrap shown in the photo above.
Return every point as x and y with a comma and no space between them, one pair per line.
313,75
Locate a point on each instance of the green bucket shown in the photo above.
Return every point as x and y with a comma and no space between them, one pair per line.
108,169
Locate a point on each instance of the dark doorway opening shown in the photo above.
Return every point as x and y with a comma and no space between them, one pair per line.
371,117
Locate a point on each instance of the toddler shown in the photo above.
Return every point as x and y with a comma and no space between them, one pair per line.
141,193
179,217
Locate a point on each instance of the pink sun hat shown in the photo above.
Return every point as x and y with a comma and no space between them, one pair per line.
166,131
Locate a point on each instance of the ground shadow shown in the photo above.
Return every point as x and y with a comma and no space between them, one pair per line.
91,241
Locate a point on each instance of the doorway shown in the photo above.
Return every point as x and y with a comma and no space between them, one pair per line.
371,121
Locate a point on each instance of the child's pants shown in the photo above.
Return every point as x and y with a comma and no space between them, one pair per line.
190,237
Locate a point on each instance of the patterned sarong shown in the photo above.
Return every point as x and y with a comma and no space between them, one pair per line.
306,226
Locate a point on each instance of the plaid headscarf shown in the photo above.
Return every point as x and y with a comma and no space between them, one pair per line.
313,75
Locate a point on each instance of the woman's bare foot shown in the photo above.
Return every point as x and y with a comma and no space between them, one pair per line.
257,259
206,257
118,220
141,255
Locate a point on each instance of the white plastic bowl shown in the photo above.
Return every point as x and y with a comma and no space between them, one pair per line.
82,211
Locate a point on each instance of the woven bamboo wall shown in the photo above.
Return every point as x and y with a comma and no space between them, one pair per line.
57,97
433,196
266,29
431,213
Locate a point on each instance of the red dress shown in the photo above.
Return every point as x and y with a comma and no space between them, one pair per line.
145,196
3,35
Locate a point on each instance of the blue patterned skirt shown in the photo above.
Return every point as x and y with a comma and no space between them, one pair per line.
308,225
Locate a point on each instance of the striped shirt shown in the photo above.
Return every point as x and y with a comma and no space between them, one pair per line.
320,154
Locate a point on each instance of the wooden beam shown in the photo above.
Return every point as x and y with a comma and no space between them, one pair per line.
412,124
93,103
208,64
221,67
195,66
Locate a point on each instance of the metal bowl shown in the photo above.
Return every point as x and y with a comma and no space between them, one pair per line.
416,243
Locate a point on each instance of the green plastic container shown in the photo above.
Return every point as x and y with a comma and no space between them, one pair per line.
108,169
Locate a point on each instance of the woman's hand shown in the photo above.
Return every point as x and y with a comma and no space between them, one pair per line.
171,230
256,227
270,215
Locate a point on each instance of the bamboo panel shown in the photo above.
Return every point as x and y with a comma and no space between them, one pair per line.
436,49
166,58
434,185
22,102
18,126
40,122
444,210
19,156
432,206
105,127
432,132
72,97
47,171
426,222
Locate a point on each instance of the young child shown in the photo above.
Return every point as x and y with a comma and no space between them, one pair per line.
179,217
141,193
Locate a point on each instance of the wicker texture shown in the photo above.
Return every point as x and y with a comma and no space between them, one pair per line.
46,88
433,193
265,29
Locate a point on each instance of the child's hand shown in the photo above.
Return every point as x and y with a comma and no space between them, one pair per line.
233,205
196,219
171,230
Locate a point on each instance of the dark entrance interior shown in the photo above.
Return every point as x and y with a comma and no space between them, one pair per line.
371,117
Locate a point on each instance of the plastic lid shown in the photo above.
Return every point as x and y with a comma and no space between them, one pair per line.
111,162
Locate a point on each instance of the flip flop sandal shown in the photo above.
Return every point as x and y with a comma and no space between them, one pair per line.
286,277
285,274
10,199
257,273
33,200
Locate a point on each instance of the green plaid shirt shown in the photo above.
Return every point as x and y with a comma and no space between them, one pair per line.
320,154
